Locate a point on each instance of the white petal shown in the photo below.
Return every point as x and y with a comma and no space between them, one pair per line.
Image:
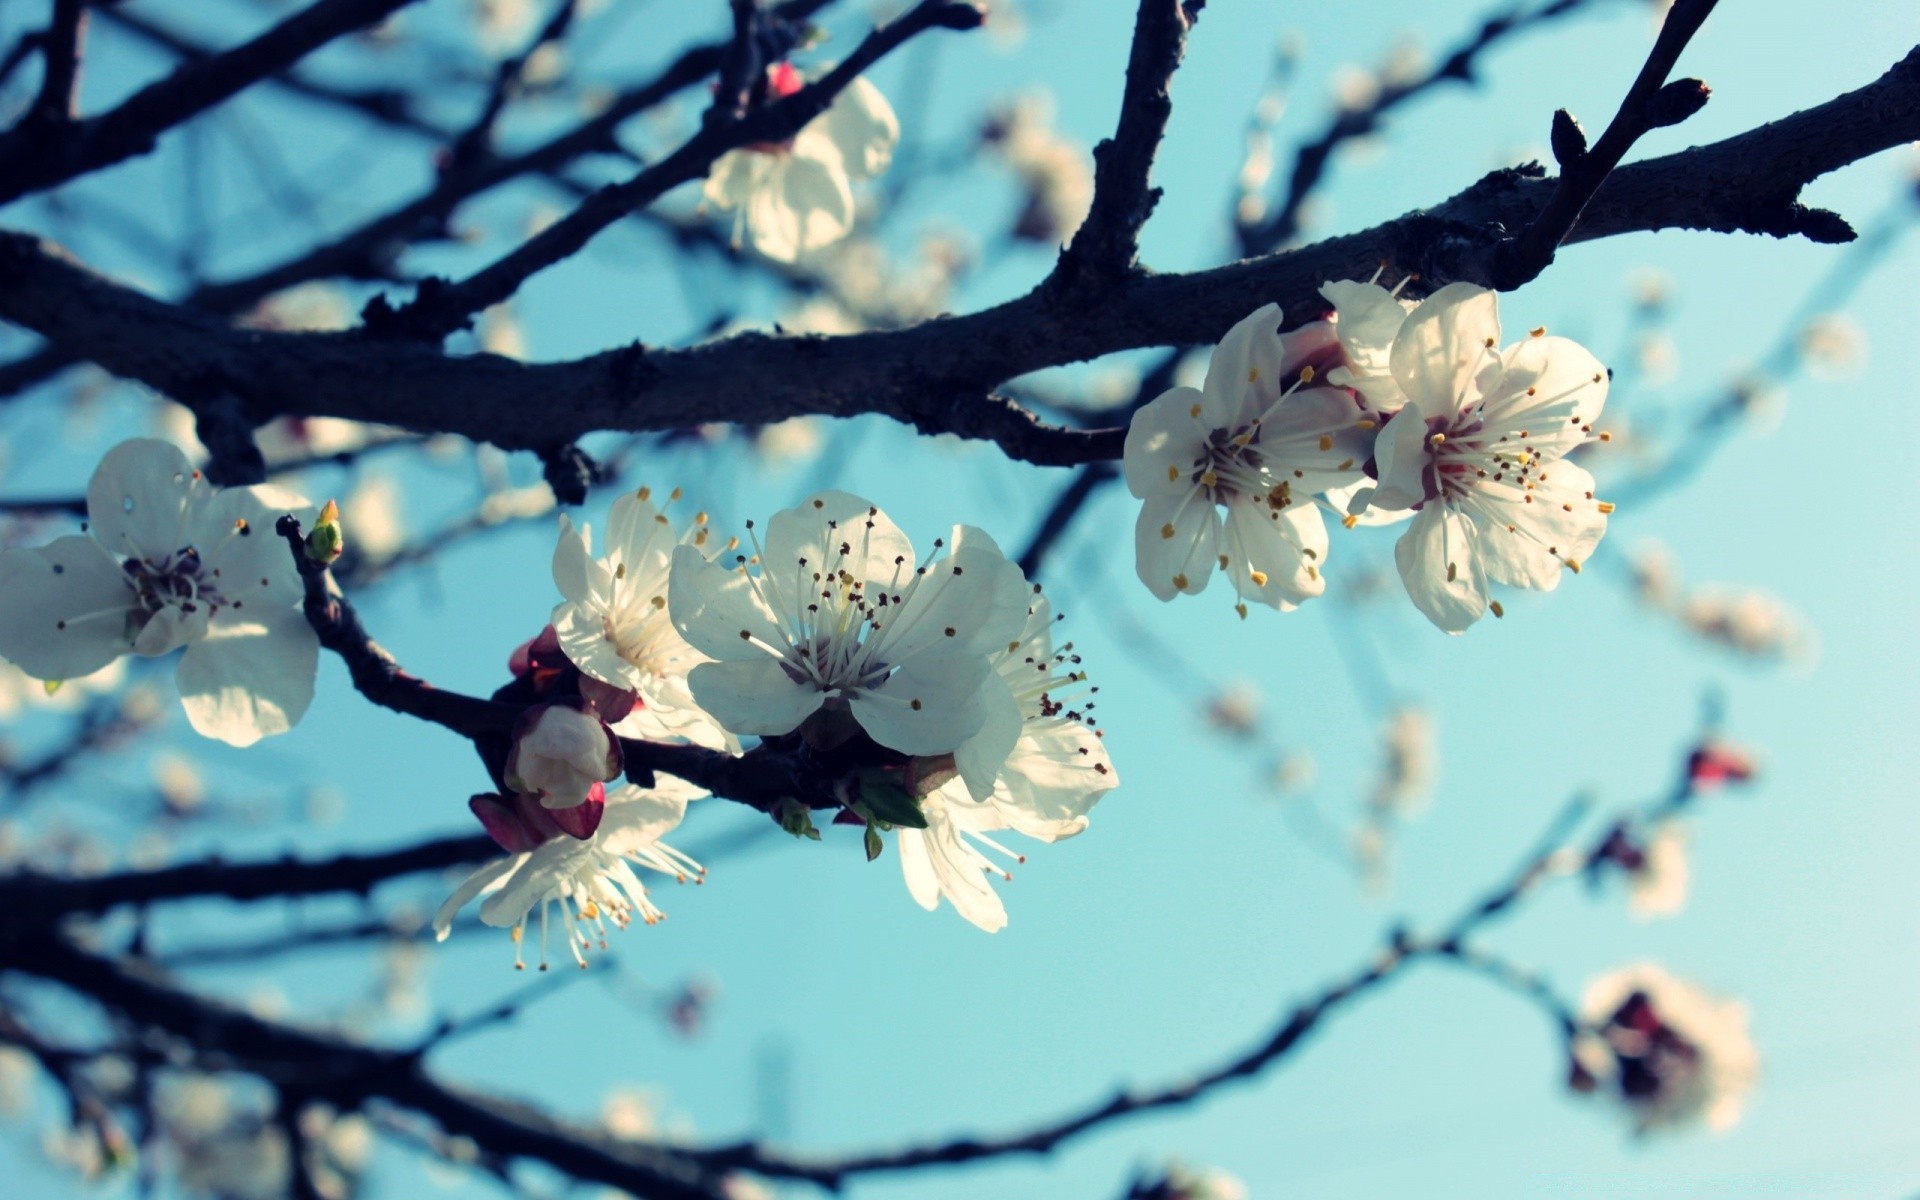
1164,442
979,757
929,706
1525,536
1285,546
234,531
573,562
736,175
536,878
712,606
1552,390
1183,560
243,682
1052,780
1367,317
805,204
485,880
818,528
636,817
1245,373
1441,568
755,696
974,592
138,498
1446,344
63,608
916,864
863,128
1401,457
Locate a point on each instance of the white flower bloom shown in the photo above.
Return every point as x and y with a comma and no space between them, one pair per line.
1479,449
1057,772
614,625
1670,1053
1657,885
795,197
838,620
170,562
559,753
590,878
1256,443
1367,318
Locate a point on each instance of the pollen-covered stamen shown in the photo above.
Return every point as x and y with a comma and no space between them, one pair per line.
179,580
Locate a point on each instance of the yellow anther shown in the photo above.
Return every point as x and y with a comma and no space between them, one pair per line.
1180,581
1173,474
1259,578
1208,478
1438,439
1605,507
1194,411
1326,443
1242,610
1539,331
675,494
1166,531
1253,375
1573,564
645,493
1349,521
1497,610
1605,436
1363,423
1453,570
1307,374
1490,343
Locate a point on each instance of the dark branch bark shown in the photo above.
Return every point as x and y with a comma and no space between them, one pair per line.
1108,241
60,83
35,157
937,375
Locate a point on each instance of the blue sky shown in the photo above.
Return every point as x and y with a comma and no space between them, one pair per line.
1180,926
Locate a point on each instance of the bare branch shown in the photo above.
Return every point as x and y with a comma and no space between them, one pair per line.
1108,241
60,83
33,158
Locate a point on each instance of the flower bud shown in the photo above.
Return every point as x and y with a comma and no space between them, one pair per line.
326,540
561,752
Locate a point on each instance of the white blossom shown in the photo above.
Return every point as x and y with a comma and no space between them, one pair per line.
1668,1052
1657,884
613,623
1255,443
794,197
170,562
591,879
1058,770
559,752
839,622
1479,450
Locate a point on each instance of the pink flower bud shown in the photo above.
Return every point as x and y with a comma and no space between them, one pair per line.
561,752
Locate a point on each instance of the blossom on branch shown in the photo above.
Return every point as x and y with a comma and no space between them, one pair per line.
561,752
1057,772
170,561
831,629
796,196
1666,1051
1256,444
588,875
1479,449
613,623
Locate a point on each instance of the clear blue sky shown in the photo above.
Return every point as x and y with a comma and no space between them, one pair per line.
1176,930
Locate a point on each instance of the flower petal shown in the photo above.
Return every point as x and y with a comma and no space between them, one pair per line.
1176,541
1284,546
930,705
979,758
863,128
1440,565
1165,441
243,682
713,606
1247,370
754,696
1053,778
804,204
1447,343
63,608
1401,458
138,498
483,881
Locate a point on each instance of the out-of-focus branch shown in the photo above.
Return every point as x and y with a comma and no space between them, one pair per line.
440,307
1108,241
1311,158
35,156
1651,103
937,375
477,139
60,82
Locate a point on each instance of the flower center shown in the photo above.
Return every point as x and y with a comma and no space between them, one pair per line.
178,581
1230,465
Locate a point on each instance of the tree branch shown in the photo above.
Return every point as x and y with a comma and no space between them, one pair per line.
60,83
937,375
36,157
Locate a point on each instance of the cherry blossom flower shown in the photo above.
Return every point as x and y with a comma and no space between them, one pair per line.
1057,771
560,751
1479,450
1366,319
1259,444
589,877
170,561
614,626
795,197
1666,1051
839,631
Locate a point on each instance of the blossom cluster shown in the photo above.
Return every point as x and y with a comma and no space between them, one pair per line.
1383,411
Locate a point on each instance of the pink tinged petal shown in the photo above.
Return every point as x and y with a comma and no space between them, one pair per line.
484,881
243,682
138,498
1165,441
1274,555
1550,388
755,697
1446,345
863,128
1440,564
501,819
1247,371
979,758
1176,543
804,205
1401,456
63,608
581,820
1052,780
1313,440
930,705
714,605
1315,344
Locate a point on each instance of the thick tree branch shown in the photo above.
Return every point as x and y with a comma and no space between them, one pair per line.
938,375
1109,239
60,82
35,156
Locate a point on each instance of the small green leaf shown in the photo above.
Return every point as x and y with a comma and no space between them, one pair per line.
874,844
885,800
